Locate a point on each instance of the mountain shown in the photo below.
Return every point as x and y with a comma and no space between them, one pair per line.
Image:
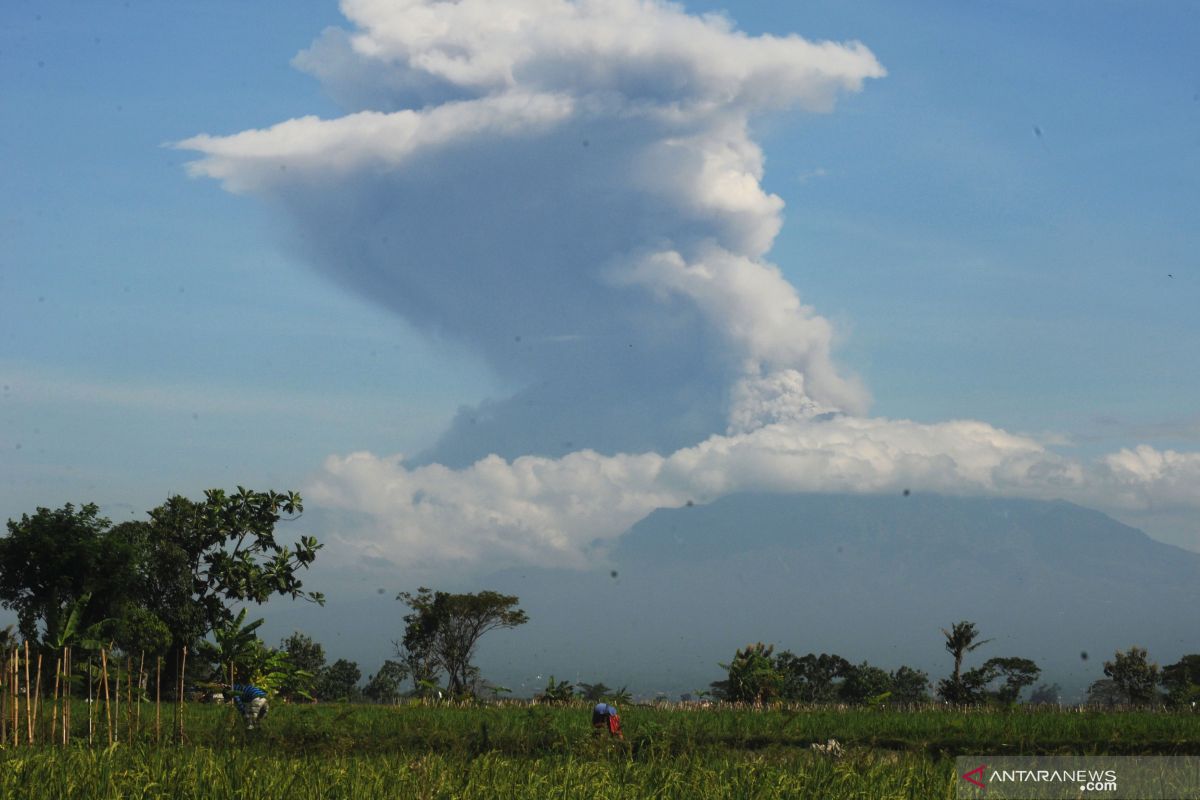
867,577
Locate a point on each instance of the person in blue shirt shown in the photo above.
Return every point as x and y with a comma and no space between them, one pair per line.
605,716
251,701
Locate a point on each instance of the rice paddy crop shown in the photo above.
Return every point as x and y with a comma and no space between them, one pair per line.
529,751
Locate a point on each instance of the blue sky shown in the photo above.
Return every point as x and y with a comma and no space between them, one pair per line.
991,230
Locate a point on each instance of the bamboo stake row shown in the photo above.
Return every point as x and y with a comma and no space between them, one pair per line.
23,719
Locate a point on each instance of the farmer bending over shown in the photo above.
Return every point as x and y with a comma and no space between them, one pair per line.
605,716
251,701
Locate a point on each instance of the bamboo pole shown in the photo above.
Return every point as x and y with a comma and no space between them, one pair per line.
117,700
66,715
158,701
28,697
182,673
4,700
128,696
37,693
141,683
54,705
91,705
16,695
104,681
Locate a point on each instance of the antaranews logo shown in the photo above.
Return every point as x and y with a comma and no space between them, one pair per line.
975,776
1071,777
1067,777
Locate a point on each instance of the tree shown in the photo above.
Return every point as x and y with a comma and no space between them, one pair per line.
384,685
304,652
909,686
970,689
593,692
1017,673
307,659
211,554
620,696
1105,692
157,584
556,692
233,646
1182,681
53,559
811,678
866,684
339,681
752,676
1133,676
960,640
443,629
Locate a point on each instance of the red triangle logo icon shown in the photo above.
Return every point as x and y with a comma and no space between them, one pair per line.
978,776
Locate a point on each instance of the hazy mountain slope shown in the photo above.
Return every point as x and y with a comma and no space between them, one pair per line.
866,576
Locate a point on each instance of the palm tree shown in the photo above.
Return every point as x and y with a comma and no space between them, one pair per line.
960,640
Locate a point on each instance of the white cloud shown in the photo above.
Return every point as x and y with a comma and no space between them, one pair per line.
314,149
550,511
637,49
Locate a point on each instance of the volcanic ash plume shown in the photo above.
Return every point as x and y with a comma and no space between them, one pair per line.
570,190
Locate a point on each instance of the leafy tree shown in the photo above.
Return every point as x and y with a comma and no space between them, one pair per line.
752,676
593,692
909,686
620,696
1017,673
443,629
1133,676
235,643
557,692
339,681
864,683
138,630
53,559
1182,680
970,688
272,670
1105,692
158,584
384,685
211,554
960,640
811,678
304,652
307,659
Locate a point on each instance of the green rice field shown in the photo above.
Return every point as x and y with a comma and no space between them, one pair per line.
517,751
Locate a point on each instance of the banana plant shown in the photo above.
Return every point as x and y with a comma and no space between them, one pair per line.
235,644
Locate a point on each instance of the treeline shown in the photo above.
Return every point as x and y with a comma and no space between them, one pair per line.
145,590
150,591
756,674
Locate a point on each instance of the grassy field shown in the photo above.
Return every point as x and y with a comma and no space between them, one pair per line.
535,751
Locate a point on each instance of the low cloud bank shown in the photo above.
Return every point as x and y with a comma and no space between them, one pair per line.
554,511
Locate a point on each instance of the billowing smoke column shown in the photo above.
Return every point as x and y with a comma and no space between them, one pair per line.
569,189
